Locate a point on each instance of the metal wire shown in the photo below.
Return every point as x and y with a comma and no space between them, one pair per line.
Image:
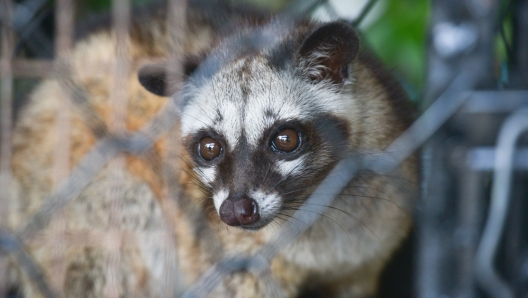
10,244
28,24
368,7
6,103
488,278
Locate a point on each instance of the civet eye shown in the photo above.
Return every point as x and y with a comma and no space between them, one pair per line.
209,148
286,140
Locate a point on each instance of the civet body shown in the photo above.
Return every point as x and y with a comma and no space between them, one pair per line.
268,108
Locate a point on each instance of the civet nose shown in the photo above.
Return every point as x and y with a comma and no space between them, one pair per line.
240,212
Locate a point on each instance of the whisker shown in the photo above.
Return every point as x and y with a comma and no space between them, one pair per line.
293,217
295,190
285,176
320,214
210,208
377,198
266,175
186,114
349,214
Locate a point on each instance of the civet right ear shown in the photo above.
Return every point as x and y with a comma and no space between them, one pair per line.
327,51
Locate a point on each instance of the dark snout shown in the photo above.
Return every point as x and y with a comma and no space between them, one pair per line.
239,211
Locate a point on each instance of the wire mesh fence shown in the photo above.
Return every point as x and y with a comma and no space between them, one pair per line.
460,239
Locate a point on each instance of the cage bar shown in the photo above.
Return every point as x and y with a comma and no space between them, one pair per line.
6,111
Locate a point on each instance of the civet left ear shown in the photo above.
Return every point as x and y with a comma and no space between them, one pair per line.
327,51
156,78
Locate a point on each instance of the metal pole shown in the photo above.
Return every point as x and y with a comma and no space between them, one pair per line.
6,110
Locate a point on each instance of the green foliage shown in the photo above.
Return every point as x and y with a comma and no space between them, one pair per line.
97,5
103,5
273,5
398,38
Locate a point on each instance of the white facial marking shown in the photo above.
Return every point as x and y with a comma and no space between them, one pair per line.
199,113
231,127
280,96
217,105
219,198
290,167
269,204
208,175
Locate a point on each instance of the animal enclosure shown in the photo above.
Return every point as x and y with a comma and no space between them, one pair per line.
471,224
